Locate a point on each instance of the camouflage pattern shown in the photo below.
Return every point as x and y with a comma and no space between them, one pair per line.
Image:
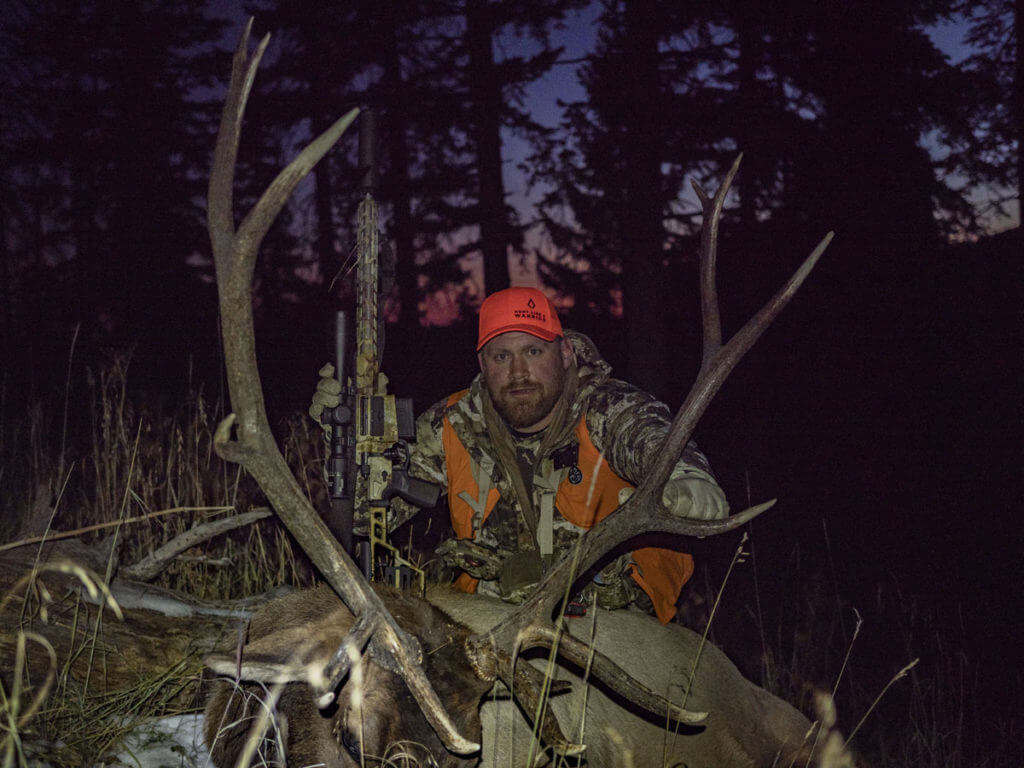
478,561
625,422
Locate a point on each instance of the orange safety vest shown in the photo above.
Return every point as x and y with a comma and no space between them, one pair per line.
661,573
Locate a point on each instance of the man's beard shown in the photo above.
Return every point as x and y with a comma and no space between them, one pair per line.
524,410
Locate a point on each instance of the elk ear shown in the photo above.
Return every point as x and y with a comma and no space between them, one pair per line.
286,656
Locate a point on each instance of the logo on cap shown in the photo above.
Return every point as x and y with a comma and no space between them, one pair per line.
530,314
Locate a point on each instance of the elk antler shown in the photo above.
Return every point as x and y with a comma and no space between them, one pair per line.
234,253
531,625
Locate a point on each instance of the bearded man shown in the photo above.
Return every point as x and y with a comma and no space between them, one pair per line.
542,445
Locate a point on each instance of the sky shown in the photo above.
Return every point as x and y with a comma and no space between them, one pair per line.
578,36
561,84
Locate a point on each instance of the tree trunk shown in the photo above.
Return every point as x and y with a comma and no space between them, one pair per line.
1018,94
398,183
746,130
645,292
323,197
486,97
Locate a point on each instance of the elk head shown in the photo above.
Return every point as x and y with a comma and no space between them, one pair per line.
368,629
291,641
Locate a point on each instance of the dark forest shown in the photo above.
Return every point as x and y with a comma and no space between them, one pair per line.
553,143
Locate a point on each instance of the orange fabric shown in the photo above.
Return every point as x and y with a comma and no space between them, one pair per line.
465,583
661,573
459,468
518,309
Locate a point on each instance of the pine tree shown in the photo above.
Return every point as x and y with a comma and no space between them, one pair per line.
995,158
616,172
444,96
106,139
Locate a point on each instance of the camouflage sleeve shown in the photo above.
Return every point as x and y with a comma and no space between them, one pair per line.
629,425
426,462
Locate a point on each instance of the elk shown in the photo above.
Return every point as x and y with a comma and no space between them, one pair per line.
361,668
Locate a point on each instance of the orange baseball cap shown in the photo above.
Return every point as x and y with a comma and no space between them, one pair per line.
518,309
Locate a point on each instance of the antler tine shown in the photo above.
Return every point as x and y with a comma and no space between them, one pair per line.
608,672
254,447
220,191
717,368
712,213
527,685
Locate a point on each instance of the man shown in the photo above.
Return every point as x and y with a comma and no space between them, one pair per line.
542,446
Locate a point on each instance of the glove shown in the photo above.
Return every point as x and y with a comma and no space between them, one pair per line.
327,395
691,492
520,573
614,587
478,561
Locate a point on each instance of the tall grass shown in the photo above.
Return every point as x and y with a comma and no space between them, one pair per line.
126,457
900,678
103,456
116,455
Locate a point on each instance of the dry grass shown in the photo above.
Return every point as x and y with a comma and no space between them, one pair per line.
255,711
898,682
111,457
27,698
116,459
104,459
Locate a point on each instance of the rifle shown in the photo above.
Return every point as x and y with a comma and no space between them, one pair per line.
371,430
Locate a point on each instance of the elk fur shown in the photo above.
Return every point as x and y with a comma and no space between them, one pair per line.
292,638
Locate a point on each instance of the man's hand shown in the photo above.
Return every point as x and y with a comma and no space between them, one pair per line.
691,492
614,587
327,395
478,561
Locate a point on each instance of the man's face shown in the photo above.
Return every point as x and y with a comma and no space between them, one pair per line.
525,377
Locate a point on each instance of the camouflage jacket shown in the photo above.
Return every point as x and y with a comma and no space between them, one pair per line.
624,422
